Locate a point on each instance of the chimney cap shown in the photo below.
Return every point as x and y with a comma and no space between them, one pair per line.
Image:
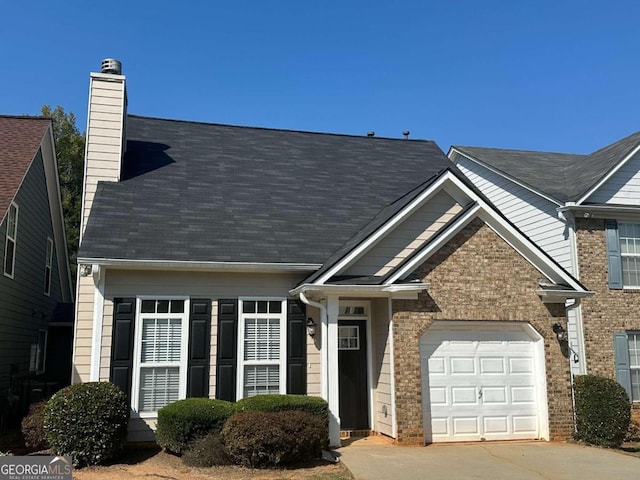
111,65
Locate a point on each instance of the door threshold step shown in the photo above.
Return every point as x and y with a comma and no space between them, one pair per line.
355,433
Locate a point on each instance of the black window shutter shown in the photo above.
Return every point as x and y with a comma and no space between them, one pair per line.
122,343
227,350
199,342
613,254
296,347
623,372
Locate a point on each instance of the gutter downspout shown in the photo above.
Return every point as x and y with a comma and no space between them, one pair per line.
323,343
576,303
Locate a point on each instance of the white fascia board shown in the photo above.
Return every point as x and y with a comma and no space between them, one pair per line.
384,290
504,175
387,227
205,266
434,246
611,173
620,212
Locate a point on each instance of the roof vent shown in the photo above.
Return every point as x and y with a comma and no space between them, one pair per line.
371,134
406,134
111,65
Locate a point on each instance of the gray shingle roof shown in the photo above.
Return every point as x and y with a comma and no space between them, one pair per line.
562,176
206,192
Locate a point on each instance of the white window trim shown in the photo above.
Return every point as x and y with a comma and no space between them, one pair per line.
632,367
13,239
137,350
41,354
626,255
282,362
48,266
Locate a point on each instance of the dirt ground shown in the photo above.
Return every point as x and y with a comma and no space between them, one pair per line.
150,464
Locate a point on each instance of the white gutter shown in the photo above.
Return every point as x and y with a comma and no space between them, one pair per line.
324,390
209,266
384,290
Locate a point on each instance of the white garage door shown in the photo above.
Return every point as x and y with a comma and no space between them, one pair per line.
479,383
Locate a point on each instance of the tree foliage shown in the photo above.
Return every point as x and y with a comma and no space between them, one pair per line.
70,151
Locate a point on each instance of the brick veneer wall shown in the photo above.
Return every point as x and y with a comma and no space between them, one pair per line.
608,311
476,276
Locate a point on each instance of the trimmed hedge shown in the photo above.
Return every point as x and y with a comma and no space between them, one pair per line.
206,452
181,423
33,427
315,406
603,411
87,421
265,439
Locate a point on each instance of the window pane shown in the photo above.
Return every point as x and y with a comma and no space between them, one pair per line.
635,385
262,339
158,387
275,307
634,349
630,252
8,259
177,306
262,307
163,306
248,307
148,306
261,379
161,340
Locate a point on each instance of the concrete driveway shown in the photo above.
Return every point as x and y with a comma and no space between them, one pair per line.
371,459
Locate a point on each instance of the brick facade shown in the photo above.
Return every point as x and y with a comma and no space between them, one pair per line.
476,276
608,311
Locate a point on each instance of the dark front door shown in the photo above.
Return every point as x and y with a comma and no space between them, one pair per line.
352,367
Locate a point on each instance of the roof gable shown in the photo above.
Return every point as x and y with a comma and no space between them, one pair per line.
563,177
475,207
205,192
20,138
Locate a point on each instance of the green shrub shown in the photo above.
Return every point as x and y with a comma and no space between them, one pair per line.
315,406
263,439
181,423
33,427
603,411
87,421
206,452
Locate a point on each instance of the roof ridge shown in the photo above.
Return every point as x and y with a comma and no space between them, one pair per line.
284,130
25,117
461,147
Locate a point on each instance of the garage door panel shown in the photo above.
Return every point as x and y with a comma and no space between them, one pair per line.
480,383
463,396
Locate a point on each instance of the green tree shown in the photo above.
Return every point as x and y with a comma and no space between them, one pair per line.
70,151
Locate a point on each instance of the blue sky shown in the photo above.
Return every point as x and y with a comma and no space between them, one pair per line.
543,75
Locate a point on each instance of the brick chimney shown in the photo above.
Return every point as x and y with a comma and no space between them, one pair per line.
106,139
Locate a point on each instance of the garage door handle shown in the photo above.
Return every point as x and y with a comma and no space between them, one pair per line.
480,394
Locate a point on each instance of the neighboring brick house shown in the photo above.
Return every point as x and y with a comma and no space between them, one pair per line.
584,211
229,261
35,282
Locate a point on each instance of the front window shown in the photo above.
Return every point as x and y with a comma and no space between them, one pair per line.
262,343
630,253
634,365
161,379
47,267
10,243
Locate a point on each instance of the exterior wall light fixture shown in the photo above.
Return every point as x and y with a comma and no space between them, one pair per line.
561,333
311,327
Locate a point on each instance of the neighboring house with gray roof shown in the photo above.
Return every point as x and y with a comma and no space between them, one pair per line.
35,282
584,211
228,261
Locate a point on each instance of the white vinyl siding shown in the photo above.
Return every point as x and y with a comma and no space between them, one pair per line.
630,253
47,267
407,237
623,188
634,365
533,214
262,347
10,243
160,374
